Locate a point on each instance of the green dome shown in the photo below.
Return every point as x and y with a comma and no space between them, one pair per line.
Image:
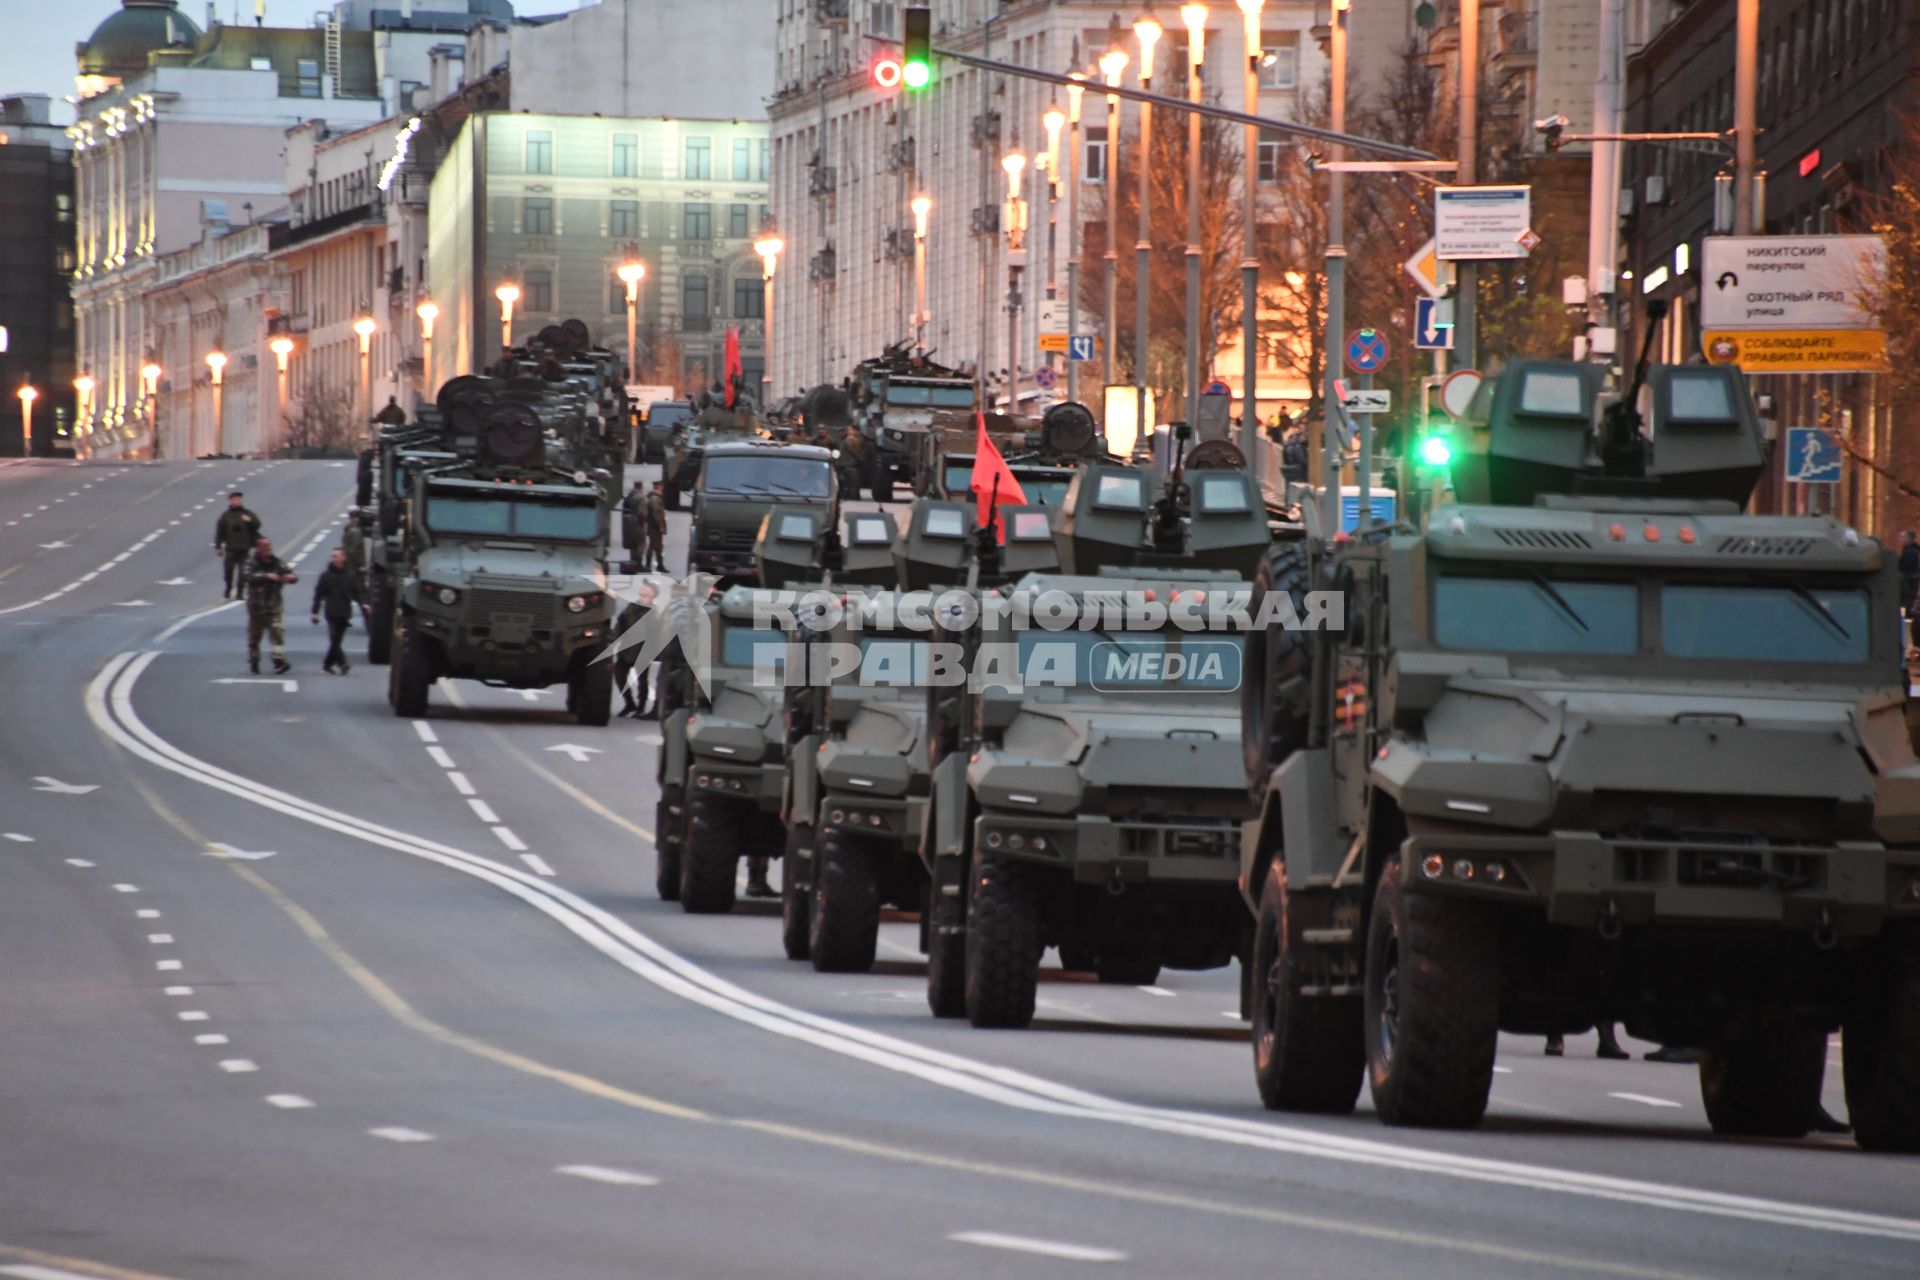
120,45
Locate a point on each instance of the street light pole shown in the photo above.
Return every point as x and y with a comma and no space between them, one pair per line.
1746,57
922,206
1336,275
1053,120
1113,64
282,347
1250,244
769,247
1075,94
28,394
508,293
1195,16
1015,163
217,366
631,273
1466,321
1147,30
150,384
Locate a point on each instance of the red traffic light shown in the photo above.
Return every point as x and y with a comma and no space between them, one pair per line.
888,72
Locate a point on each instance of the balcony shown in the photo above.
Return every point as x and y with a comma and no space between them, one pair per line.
984,220
984,128
900,156
832,10
824,267
823,181
1517,47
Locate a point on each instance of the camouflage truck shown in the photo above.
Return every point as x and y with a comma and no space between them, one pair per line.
688,440
1593,745
895,400
1085,798
740,483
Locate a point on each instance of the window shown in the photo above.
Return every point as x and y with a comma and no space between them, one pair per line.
737,222
1272,157
536,216
617,299
766,159
623,220
1120,491
539,151
1095,167
693,297
1764,624
1280,67
767,473
749,298
626,156
62,207
696,222
1533,615
539,291
307,73
699,162
743,159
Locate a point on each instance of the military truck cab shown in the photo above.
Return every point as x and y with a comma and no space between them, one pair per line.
740,483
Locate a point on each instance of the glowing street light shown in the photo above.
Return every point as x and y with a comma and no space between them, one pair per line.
428,313
365,328
1147,30
1249,249
217,366
508,293
769,246
28,394
922,206
83,394
1015,163
1194,15
150,392
282,347
631,273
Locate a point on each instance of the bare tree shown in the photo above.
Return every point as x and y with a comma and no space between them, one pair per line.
321,417
662,362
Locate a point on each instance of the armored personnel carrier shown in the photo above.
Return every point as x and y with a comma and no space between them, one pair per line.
1043,461
1593,744
895,400
688,440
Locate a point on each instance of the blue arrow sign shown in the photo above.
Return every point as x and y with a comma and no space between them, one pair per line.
1427,335
1080,348
1366,350
1813,456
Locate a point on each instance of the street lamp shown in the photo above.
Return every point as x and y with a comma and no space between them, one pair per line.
1113,64
769,246
631,273
217,366
1053,120
150,392
1195,17
1249,243
1146,30
364,327
282,347
922,205
1075,93
508,293
428,313
1015,163
83,395
28,394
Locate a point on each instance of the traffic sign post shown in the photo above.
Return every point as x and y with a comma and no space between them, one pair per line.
1366,350
1457,392
1482,223
1813,456
1429,331
1792,304
1080,347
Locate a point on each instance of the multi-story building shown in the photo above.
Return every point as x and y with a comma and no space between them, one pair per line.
210,299
850,157
36,267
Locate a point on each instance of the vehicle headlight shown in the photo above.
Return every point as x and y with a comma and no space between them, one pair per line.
447,595
580,604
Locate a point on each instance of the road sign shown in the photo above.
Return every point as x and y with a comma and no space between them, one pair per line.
1813,456
1529,239
1080,348
1366,350
1471,223
1424,266
1428,333
1054,342
1778,283
1217,388
1053,315
1798,350
1045,377
1457,392
1374,400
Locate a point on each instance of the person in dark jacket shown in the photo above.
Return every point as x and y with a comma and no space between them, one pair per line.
266,575
336,593
653,551
633,517
233,537
1909,570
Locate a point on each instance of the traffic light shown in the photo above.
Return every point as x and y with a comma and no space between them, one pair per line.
1436,451
917,46
887,72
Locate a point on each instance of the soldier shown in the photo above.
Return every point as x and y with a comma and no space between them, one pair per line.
625,673
354,542
335,593
633,519
1293,454
266,574
757,886
653,554
852,447
233,537
393,414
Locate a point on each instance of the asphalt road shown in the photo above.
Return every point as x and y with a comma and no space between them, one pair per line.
294,988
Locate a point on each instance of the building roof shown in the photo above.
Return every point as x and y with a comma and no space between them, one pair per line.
120,45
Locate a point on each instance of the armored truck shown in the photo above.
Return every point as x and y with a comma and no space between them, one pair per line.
689,440
1593,744
740,484
896,398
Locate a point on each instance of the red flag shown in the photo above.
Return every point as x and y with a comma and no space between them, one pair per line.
993,482
734,370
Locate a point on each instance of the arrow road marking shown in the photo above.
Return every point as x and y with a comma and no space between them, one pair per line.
291,686
60,788
241,855
575,752
53,546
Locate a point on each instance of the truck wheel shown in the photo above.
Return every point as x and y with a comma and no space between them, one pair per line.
1432,1007
1766,1084
1276,697
412,674
670,493
1127,973
1882,1060
845,925
1003,943
380,622
667,820
1308,1053
593,694
946,954
709,857
796,891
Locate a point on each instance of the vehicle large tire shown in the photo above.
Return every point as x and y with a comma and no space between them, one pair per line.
1432,1007
412,673
1766,1084
845,927
593,694
668,823
1003,943
709,856
1276,695
946,954
796,891
1882,1059
1308,1052
380,622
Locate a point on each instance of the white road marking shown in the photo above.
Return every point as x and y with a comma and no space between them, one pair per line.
211,1037
27,1271
1045,1248
147,913
59,788
178,991
530,695
126,888
1503,1071
507,837
394,1133
166,966
227,851
1157,991
575,752
193,1015
289,1101
483,811
425,731
1645,1100
159,939
600,1173
16,837
460,783
440,757
1229,1013
78,862
538,863
238,1066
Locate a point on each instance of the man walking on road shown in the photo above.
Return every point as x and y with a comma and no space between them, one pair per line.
653,553
266,575
633,521
335,593
233,537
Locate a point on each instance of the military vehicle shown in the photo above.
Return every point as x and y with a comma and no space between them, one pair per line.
657,425
1043,461
1593,745
895,399
688,441
740,483
1084,796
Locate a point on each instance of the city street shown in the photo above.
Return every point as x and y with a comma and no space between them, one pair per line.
296,988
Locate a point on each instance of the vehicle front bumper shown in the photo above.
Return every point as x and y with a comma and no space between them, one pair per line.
1097,849
894,819
724,563
535,653
756,784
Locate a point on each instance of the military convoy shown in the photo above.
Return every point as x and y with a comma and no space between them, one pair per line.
895,401
689,439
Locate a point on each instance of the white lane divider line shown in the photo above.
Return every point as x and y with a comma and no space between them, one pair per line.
193,1015
613,1177
1157,991
238,1066
160,939
484,811
147,913
1645,1100
537,863
27,1271
78,862
16,837
460,783
425,731
507,837
1503,1071
440,757
178,991
395,1133
211,1037
166,966
1044,1248
289,1101
126,888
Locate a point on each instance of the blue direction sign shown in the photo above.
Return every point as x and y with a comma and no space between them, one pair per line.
1813,456
1366,351
1428,335
1080,348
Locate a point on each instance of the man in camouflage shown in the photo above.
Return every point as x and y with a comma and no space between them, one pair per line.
233,538
653,552
265,577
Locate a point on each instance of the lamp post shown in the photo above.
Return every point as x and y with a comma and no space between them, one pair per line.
364,328
769,246
1053,120
1336,272
428,313
1195,17
508,293
631,273
82,399
282,347
28,394
1075,93
1147,30
1015,163
150,392
1250,245
922,205
1113,64
217,366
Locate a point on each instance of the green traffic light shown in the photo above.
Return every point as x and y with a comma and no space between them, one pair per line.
1435,451
918,75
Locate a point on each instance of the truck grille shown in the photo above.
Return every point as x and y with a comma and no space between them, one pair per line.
485,605
1545,539
729,539
1743,545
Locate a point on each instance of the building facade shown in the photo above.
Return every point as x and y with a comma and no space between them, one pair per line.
36,270
209,299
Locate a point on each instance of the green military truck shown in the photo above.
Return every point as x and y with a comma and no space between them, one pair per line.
740,483
896,399
1592,745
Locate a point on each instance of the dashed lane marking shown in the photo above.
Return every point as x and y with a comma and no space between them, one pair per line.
460,783
1158,991
613,1177
507,837
537,863
193,1015
484,811
160,939
166,966
440,757
178,991
126,888
395,1133
1645,1099
425,731
1044,1248
16,837
289,1101
80,862
147,913
238,1066
211,1037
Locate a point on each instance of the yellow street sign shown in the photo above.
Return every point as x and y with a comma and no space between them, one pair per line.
1798,350
1427,272
1054,342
